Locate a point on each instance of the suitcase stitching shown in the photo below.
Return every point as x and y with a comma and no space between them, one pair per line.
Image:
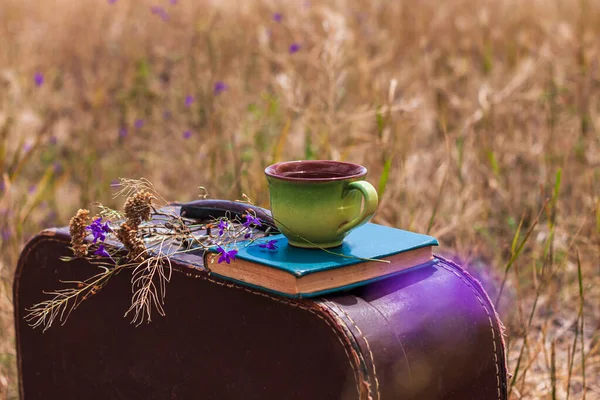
368,348
48,236
482,303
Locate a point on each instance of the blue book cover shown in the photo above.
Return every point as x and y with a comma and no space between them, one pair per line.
370,241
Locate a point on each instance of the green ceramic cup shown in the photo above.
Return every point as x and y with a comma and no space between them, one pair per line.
317,203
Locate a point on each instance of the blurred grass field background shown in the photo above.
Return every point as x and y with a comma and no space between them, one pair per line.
478,121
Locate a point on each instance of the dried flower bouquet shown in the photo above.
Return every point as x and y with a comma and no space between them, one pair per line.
142,237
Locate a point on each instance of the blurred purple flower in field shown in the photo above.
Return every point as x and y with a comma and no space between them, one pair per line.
38,79
189,100
277,17
173,1
6,234
112,1
27,147
50,218
123,132
167,114
220,87
187,134
57,167
294,48
138,123
157,10
53,139
32,189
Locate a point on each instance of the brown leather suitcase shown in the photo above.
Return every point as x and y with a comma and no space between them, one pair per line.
427,333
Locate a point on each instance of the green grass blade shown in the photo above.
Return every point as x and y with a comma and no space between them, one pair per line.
598,216
582,322
553,368
385,174
555,193
516,236
380,123
493,162
516,254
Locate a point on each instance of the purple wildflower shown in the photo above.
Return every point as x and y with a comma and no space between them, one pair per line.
157,10
122,132
50,218
220,87
222,226
248,235
101,251
6,234
251,220
57,167
32,189
38,79
138,123
27,147
189,100
270,245
226,256
277,17
53,139
294,48
187,134
99,230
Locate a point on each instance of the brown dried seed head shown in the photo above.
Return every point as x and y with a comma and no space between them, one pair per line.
78,232
138,208
128,236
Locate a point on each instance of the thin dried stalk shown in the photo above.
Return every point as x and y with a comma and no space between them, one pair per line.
64,301
149,282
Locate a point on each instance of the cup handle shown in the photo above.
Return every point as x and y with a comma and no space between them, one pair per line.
371,201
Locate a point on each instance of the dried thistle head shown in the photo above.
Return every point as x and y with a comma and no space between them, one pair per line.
78,232
138,208
127,235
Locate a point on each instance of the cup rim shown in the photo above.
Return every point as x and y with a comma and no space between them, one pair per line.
271,170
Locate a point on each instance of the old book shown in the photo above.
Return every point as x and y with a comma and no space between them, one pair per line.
296,272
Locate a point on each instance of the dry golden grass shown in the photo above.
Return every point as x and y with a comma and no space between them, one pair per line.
467,113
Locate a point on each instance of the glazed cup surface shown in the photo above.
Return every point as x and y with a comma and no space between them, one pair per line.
316,203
